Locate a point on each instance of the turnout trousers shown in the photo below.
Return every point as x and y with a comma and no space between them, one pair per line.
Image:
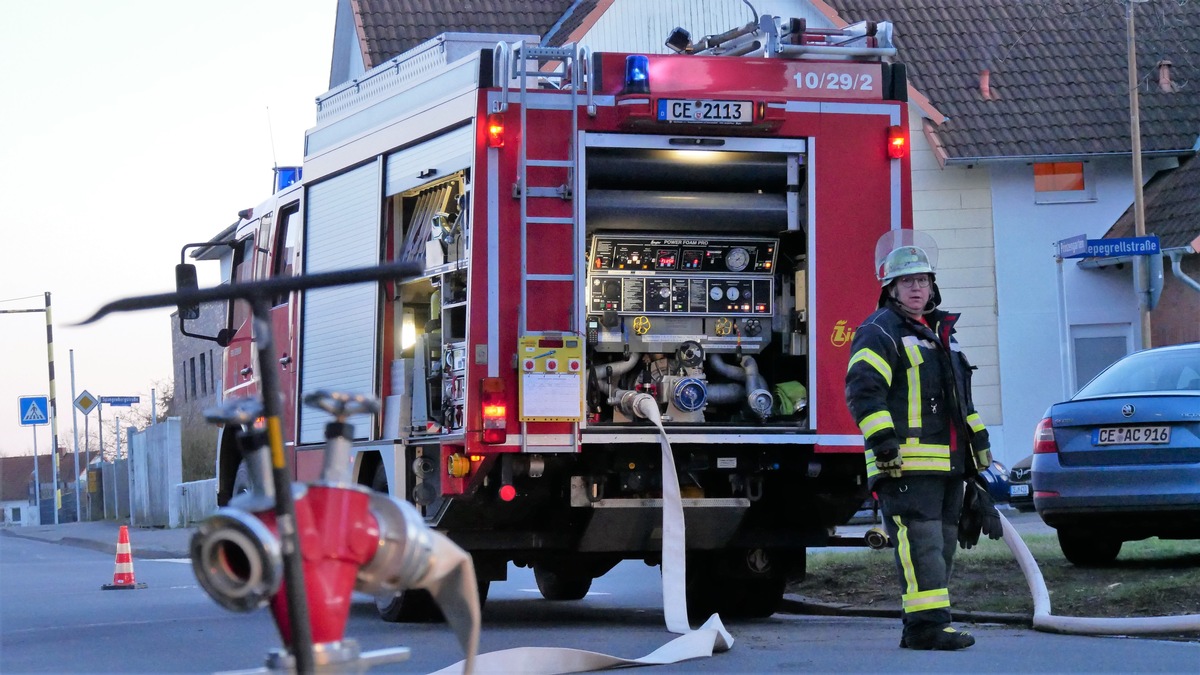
921,516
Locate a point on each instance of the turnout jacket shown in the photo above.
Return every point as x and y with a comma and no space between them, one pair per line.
908,387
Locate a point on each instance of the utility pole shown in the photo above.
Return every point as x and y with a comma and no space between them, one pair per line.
53,403
1135,131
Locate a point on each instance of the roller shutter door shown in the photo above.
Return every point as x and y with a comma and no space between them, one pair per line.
341,324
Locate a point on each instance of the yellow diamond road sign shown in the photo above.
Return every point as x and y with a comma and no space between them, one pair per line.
85,402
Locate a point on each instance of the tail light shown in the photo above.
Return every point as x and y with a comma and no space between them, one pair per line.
1043,438
495,410
897,142
495,130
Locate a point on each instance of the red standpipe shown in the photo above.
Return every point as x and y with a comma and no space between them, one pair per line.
338,535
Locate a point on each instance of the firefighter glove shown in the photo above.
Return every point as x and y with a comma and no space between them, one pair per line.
979,515
989,516
887,459
970,524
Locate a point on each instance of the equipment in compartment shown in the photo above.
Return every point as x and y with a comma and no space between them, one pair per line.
688,320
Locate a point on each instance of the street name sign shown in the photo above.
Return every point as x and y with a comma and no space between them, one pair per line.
119,400
1113,248
1073,247
1080,246
33,410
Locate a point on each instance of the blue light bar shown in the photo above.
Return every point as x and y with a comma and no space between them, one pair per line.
285,176
637,74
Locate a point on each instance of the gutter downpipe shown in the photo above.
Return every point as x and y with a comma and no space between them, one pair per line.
1176,256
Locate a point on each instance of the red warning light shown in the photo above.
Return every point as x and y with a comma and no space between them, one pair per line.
495,130
508,493
897,142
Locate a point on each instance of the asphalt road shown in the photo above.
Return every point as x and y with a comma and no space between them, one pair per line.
55,618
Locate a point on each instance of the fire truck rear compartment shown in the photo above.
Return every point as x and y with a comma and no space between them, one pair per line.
686,190
713,326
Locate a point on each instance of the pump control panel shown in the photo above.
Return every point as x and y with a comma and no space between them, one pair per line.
703,255
632,274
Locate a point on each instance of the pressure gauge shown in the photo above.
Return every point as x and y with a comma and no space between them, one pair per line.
737,259
716,293
664,292
732,293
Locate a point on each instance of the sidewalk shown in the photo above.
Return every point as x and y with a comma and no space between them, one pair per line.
101,535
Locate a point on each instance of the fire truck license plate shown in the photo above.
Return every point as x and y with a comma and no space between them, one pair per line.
708,112
1130,435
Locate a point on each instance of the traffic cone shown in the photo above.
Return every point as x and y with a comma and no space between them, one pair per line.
123,573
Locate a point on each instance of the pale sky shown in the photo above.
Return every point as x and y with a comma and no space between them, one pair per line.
132,127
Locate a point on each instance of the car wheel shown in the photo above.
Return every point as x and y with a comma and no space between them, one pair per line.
558,584
1086,549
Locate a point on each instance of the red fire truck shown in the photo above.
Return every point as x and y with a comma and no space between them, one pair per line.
618,250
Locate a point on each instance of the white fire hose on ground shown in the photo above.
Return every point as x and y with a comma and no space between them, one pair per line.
1045,621
704,641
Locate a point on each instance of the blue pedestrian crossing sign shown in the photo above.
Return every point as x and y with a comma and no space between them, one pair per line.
34,410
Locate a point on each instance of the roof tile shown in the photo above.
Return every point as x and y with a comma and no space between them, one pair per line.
1067,56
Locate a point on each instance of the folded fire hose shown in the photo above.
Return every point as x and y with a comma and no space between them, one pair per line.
704,641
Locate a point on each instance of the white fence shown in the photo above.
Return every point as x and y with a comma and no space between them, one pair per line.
147,486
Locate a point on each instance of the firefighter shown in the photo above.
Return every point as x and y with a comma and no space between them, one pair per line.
908,387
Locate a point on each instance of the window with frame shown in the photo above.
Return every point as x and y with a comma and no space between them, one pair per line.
1062,182
287,233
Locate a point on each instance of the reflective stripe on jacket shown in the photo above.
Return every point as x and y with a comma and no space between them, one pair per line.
908,386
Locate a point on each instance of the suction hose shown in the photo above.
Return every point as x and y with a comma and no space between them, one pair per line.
1043,620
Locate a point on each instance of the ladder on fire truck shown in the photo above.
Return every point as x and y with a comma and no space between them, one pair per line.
528,65
562,69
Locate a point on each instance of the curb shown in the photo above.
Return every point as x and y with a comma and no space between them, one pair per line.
103,547
799,604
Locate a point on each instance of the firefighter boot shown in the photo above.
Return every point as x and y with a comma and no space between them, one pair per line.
940,638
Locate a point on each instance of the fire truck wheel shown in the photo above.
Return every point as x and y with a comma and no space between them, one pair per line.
379,480
241,480
411,606
760,598
417,606
713,587
556,583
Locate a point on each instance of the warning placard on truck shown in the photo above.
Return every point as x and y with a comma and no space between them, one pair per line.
551,379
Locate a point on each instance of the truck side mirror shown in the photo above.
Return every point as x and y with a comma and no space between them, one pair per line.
185,280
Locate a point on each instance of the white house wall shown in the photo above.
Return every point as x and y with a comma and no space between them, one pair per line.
1031,374
954,206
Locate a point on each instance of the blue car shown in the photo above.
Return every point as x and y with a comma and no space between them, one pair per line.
1120,460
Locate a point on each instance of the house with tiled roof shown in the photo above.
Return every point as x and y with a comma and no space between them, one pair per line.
17,504
1020,127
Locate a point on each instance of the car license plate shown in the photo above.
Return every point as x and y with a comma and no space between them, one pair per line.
1018,490
705,112
1131,435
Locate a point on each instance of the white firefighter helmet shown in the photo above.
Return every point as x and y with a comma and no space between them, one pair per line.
902,252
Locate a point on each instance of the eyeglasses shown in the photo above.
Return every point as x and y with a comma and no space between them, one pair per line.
909,282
